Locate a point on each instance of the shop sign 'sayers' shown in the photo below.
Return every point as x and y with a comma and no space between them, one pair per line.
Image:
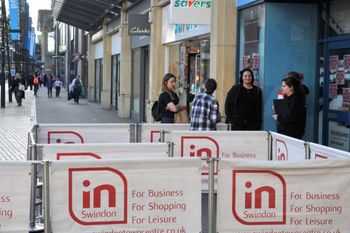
193,3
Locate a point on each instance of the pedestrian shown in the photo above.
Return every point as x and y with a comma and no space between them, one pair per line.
205,109
303,86
76,87
49,85
293,122
58,85
243,105
18,86
168,99
36,82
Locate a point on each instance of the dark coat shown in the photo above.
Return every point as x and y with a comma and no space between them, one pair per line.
231,108
293,124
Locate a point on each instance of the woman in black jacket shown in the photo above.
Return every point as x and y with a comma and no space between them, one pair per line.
293,122
243,105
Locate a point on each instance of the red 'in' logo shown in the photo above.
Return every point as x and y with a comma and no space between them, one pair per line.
319,156
76,155
200,146
258,197
64,137
281,150
155,136
93,201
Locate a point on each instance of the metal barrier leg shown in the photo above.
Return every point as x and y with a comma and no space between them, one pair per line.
32,197
269,148
47,223
211,193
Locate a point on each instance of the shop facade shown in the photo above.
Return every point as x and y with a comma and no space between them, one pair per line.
304,36
187,55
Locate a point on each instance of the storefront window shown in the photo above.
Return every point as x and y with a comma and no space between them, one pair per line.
339,21
252,40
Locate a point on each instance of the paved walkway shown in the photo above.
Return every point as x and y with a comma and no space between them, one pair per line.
15,124
17,121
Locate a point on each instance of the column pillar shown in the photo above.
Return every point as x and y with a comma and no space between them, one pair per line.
223,47
107,70
157,57
91,69
124,97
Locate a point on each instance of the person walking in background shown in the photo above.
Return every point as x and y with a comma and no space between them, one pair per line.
205,109
168,99
76,84
49,85
243,105
36,82
58,84
293,122
18,86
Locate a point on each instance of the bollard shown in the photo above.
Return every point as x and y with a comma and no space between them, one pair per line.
47,223
211,192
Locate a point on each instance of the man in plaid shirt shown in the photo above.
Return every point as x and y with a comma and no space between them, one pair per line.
205,109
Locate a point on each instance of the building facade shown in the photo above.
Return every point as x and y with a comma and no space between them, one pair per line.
271,37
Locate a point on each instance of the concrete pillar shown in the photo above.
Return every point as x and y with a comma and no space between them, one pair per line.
44,48
91,69
223,47
157,53
124,97
107,70
68,56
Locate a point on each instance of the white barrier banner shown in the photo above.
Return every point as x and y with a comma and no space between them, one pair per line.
14,196
83,133
289,197
287,148
124,196
152,132
323,152
218,144
104,151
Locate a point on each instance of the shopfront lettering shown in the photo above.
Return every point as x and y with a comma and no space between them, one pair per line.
138,30
193,3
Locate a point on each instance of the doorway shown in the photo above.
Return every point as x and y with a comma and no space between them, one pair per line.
337,95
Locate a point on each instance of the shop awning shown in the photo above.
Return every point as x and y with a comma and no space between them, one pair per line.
86,14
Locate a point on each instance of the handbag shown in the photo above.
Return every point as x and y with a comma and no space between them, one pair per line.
21,87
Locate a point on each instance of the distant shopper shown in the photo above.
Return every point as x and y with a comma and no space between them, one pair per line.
243,105
76,87
293,123
18,86
58,85
36,82
205,109
49,86
168,99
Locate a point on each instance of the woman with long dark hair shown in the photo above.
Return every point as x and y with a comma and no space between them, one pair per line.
293,122
243,105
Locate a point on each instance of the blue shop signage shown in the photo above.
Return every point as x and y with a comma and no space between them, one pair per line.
244,2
